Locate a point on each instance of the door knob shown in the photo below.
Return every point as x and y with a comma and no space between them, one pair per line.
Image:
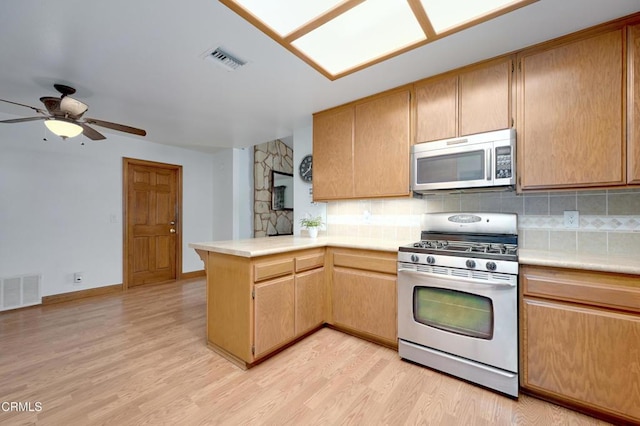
173,231
173,222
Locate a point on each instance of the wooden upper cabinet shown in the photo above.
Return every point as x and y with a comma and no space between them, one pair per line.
333,154
571,131
633,102
465,102
485,98
381,146
437,109
361,150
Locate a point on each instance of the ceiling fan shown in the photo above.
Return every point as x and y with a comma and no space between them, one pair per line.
63,116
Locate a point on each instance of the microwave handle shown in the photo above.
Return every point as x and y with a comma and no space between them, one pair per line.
489,164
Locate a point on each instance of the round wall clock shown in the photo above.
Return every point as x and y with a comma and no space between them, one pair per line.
305,168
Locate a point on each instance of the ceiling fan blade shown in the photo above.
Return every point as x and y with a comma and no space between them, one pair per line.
116,126
38,110
22,120
91,133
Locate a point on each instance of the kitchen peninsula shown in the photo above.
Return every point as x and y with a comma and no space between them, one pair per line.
264,294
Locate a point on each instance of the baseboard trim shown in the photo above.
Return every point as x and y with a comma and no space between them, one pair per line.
81,294
192,274
99,291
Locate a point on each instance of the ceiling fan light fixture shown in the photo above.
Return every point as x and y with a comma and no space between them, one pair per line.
63,128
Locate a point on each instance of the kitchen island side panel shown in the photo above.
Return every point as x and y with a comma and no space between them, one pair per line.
229,313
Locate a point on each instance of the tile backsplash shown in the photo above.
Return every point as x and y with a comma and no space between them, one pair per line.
609,219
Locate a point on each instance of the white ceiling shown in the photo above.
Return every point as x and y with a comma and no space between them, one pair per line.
141,63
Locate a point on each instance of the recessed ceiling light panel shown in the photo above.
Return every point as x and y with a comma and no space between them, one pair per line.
284,16
366,32
445,15
338,37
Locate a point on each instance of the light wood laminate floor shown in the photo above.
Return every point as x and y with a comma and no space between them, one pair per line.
140,358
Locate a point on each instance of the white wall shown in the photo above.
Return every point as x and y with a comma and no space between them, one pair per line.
243,193
61,204
302,202
232,194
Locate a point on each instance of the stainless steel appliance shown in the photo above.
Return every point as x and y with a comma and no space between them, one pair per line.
484,160
458,298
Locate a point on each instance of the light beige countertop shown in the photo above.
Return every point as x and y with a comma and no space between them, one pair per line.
593,262
254,247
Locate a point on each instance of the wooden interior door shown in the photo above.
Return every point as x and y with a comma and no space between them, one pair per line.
152,249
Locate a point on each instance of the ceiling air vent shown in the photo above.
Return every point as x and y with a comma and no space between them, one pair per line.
226,60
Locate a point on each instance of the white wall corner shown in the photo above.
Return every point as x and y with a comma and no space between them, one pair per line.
302,202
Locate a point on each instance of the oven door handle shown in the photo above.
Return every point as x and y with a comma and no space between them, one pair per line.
447,277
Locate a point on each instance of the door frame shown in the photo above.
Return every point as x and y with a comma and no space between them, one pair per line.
126,161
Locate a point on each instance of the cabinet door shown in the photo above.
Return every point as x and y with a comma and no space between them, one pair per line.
273,314
485,98
582,355
571,130
366,302
633,107
381,146
437,109
310,296
333,154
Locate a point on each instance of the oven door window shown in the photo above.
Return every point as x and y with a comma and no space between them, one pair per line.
454,311
459,167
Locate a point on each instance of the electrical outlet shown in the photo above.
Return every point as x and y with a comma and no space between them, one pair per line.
366,216
571,219
78,278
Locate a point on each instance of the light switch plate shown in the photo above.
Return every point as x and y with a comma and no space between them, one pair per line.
571,219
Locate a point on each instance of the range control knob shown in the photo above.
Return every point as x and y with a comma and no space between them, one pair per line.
471,264
431,260
491,266
414,258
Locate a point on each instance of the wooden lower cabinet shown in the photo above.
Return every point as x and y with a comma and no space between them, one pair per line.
366,302
309,300
274,314
256,306
364,294
578,348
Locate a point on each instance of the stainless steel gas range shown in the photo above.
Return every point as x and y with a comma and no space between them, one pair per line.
458,298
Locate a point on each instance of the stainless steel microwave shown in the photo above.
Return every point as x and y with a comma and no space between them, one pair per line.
482,160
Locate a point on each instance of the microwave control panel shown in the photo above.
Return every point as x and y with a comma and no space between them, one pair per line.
503,162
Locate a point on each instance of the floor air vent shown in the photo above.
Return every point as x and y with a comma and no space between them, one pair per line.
20,291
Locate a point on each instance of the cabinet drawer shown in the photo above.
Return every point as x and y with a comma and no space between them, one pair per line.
368,262
589,287
272,269
309,261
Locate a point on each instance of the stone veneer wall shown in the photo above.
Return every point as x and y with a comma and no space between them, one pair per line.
609,220
274,155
